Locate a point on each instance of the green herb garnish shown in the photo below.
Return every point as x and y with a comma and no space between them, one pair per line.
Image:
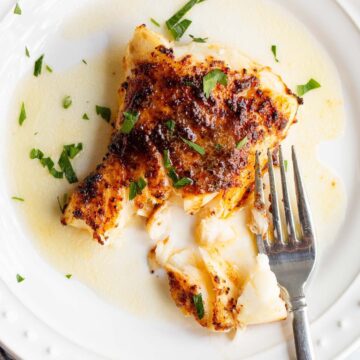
22,115
66,102
19,278
66,167
285,165
72,150
173,175
182,182
178,30
62,203
85,116
242,143
68,276
176,27
194,146
104,112
46,162
198,39
130,119
38,65
17,9
49,69
310,85
218,147
199,305
136,188
84,61
17,198
211,79
154,22
274,51
27,53
167,161
170,125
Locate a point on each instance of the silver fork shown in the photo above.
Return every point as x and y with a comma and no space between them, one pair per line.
291,258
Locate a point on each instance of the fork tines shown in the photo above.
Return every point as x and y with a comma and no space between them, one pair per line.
307,234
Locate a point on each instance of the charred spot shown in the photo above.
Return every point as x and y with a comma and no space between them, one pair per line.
166,51
78,214
88,189
240,85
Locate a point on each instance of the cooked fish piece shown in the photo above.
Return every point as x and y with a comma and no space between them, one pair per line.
228,301
163,94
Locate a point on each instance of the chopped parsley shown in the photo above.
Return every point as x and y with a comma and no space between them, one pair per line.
218,147
154,22
182,182
84,61
38,65
176,27
173,175
285,165
27,53
167,161
63,202
17,9
85,116
170,125
211,79
199,305
68,276
66,103
310,85
274,51
17,198
49,69
22,115
136,188
72,150
104,112
69,152
194,146
19,278
242,143
130,119
198,39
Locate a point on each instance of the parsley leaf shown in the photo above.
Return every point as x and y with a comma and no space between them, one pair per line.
38,65
66,102
19,278
167,161
182,182
66,167
173,175
130,119
178,30
170,125
194,146
68,276
211,79
73,150
17,9
84,61
154,22
22,115
104,112
198,39
177,27
310,85
46,162
242,143
49,69
27,53
274,51
17,198
199,305
136,188
85,116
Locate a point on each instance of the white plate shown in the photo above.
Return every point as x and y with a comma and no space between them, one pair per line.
48,318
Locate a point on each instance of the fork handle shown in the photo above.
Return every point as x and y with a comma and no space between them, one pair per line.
303,343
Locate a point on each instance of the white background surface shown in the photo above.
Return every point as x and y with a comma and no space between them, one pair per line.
6,4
